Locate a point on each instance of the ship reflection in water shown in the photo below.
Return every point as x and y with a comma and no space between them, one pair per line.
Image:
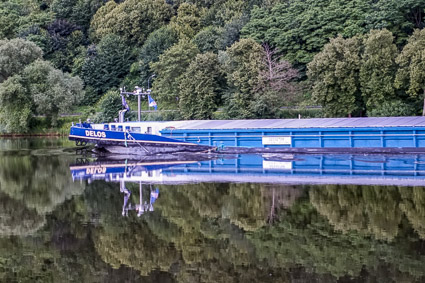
401,170
142,206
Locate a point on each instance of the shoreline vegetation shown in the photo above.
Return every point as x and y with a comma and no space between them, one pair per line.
40,129
224,59
64,122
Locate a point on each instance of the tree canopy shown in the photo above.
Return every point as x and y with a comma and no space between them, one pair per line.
31,86
133,20
111,44
335,72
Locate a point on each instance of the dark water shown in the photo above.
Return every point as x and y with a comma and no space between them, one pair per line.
66,218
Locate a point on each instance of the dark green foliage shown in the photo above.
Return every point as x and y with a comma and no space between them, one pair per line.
188,20
78,12
108,107
411,73
156,43
378,69
400,17
200,87
132,20
16,106
17,16
37,35
231,32
335,76
299,29
81,37
106,65
207,39
243,66
58,30
372,68
9,15
170,69
391,108
63,8
65,38
66,58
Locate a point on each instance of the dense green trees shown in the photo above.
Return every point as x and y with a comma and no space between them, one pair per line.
200,86
242,66
335,73
368,74
18,17
105,65
188,20
62,44
29,86
156,43
133,20
16,106
79,12
207,39
38,89
411,74
299,29
52,90
108,105
378,69
15,54
110,44
170,69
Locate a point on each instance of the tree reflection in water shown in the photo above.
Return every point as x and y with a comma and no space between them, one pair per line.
54,230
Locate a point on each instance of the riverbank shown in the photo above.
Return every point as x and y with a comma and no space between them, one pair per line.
54,134
40,128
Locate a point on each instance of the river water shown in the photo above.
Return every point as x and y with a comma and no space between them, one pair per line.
68,217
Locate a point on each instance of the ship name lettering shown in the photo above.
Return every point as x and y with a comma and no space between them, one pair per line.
95,134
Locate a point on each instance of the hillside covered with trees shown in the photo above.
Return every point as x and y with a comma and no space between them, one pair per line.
247,59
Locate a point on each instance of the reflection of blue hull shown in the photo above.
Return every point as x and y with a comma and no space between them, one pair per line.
131,143
118,170
310,169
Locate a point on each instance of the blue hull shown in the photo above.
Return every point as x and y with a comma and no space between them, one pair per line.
131,143
327,135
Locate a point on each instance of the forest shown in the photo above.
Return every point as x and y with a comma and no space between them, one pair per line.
205,59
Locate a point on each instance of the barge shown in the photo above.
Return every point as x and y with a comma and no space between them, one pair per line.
321,135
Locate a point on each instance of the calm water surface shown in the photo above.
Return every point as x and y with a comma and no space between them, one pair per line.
66,218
